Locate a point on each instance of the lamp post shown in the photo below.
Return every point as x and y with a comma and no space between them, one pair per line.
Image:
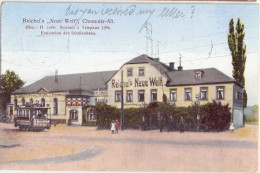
122,102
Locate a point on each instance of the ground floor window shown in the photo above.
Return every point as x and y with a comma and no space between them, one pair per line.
173,95
203,93
74,115
129,96
141,95
90,115
220,93
187,95
117,96
153,95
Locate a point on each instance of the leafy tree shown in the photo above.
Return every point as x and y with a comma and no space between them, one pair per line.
255,109
238,52
10,82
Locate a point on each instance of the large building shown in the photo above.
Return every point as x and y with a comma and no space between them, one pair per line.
145,80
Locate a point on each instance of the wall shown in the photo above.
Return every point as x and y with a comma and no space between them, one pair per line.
79,109
132,83
48,100
228,92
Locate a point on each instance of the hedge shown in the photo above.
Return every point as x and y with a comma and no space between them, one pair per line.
213,116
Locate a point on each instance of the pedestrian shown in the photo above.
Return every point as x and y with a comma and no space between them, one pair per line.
182,123
232,127
113,128
117,126
171,124
161,124
143,123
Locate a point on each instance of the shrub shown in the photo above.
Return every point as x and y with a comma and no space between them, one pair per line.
105,114
217,117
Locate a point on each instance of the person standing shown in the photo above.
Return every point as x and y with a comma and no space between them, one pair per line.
161,124
117,126
171,124
113,127
182,122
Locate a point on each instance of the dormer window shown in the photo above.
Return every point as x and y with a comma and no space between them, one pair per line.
198,74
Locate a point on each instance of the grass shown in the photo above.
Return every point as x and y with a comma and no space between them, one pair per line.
253,123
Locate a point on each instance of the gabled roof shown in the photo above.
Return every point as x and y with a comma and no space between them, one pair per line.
89,82
162,68
209,76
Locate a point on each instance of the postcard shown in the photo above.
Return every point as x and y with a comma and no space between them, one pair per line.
129,86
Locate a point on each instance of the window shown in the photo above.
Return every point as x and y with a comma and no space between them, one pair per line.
74,115
173,95
204,93
55,106
129,96
141,71
91,115
141,95
220,93
153,95
198,75
187,93
23,101
129,71
117,96
31,100
43,102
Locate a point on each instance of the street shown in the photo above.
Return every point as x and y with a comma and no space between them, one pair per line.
87,149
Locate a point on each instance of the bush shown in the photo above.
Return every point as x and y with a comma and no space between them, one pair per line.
213,116
217,117
105,114
90,123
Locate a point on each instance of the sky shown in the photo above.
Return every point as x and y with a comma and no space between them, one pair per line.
197,32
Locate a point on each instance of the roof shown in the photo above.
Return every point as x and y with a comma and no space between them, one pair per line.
187,77
69,82
162,68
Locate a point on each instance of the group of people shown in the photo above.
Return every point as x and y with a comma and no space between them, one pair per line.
115,126
172,125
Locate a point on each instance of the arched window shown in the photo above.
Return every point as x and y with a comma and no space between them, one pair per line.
31,100
23,101
55,106
43,102
74,115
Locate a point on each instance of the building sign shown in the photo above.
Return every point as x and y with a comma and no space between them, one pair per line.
153,81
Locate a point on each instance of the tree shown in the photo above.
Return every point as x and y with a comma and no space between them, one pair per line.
10,82
238,52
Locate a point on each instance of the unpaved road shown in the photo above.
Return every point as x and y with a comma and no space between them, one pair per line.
88,149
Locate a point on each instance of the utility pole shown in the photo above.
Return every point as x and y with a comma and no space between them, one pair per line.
198,116
122,102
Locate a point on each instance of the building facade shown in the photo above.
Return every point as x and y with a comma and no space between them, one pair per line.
145,80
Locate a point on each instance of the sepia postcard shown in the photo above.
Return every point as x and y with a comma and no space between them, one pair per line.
129,86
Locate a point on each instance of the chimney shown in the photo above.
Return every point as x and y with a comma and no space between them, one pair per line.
56,76
80,81
171,65
180,67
